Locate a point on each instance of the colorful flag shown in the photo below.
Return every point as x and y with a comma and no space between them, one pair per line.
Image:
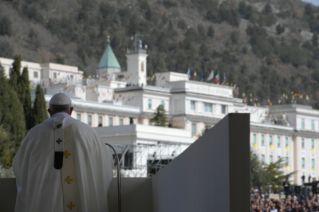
224,81
217,77
211,76
201,76
189,72
195,74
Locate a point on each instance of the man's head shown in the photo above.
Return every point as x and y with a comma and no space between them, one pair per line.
60,102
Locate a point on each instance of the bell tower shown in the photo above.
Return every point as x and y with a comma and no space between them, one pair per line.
136,62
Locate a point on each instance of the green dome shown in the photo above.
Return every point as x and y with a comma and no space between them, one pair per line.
108,59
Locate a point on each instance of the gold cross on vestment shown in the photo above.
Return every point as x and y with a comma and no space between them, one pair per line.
68,179
66,154
70,206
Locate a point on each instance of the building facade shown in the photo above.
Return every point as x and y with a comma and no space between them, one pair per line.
108,100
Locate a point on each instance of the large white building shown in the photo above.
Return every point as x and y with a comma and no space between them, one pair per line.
112,96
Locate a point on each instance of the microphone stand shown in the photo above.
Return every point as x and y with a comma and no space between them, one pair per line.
118,177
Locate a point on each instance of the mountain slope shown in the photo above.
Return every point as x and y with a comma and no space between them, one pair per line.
267,47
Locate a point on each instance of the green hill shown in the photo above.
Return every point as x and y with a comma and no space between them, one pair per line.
267,47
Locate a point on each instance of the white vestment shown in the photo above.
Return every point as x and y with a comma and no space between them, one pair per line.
39,184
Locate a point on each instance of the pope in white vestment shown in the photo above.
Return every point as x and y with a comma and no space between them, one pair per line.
83,178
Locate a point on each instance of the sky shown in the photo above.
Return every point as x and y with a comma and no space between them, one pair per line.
315,2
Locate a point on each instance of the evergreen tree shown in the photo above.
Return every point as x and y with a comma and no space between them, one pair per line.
11,111
25,97
39,107
15,72
160,118
6,148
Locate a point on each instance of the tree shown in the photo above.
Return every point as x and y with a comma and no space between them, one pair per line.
159,118
315,39
39,107
210,32
5,26
6,148
15,72
266,175
25,97
11,111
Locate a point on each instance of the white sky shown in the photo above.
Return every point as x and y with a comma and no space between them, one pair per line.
315,2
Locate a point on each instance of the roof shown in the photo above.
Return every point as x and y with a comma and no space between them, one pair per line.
108,59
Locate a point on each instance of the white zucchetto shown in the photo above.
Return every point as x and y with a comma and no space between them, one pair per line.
60,99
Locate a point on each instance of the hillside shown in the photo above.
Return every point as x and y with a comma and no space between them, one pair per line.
267,47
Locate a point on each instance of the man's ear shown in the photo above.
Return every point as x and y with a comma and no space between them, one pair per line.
71,110
50,112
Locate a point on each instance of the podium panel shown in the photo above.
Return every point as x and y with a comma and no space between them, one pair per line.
211,175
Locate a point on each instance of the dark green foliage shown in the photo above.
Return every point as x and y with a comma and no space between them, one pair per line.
210,32
11,111
266,175
234,37
159,118
7,148
182,24
5,26
259,41
39,107
315,39
15,72
229,14
280,29
25,97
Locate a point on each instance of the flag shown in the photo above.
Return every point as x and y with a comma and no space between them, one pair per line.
217,77
211,76
195,74
224,81
201,76
189,72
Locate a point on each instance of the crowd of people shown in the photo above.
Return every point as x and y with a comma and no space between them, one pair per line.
288,203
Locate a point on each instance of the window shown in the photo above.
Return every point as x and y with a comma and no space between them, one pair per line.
193,129
303,162
312,125
270,159
121,122
313,163
270,140
35,74
263,140
286,141
142,67
72,77
54,75
263,158
278,141
287,161
223,109
192,105
302,143
110,121
78,117
208,107
89,120
162,103
100,120
279,158
254,138
302,124
312,144
149,104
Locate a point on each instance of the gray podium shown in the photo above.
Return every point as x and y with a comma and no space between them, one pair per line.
211,175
